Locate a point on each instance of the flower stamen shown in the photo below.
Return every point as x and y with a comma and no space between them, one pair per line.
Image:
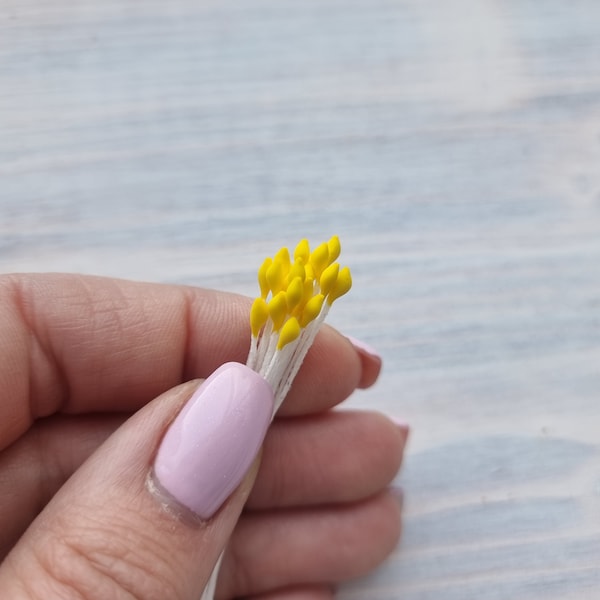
295,297
294,300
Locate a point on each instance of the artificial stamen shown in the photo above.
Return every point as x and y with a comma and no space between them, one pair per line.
293,303
294,300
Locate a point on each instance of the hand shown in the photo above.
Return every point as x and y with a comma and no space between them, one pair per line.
92,375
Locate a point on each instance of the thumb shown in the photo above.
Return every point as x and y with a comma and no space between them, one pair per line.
149,513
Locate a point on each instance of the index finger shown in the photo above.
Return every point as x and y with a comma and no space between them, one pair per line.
78,344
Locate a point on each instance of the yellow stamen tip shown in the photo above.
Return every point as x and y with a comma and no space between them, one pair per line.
294,293
302,251
312,309
275,276
259,313
309,273
328,278
297,270
319,259
283,256
334,247
342,285
278,310
262,277
289,332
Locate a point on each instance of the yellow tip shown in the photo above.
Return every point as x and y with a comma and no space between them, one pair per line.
319,259
334,247
259,313
275,276
308,290
289,332
342,285
278,310
328,278
262,277
297,270
309,273
283,256
302,251
294,293
311,310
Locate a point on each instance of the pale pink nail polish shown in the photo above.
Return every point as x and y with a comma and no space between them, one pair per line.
211,444
364,348
400,423
371,362
403,428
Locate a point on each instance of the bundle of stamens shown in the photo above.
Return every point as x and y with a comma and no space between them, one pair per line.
295,297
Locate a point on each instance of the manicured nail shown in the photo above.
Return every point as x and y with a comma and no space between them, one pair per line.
212,443
371,362
400,423
364,349
403,427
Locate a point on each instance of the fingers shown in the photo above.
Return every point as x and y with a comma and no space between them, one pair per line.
112,531
339,456
332,544
335,457
331,371
65,333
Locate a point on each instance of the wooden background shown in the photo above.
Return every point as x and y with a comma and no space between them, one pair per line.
454,145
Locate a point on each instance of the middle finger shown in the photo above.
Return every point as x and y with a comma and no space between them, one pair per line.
337,456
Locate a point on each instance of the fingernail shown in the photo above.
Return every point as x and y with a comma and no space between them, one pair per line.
403,428
212,443
365,349
371,362
400,423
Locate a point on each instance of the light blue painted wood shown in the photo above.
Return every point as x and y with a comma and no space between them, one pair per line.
455,148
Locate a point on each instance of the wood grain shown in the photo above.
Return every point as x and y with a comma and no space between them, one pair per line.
455,148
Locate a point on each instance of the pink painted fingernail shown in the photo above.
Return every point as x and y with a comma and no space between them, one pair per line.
371,362
403,428
212,443
400,423
364,348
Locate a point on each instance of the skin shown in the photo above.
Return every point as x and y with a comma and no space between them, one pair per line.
93,370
